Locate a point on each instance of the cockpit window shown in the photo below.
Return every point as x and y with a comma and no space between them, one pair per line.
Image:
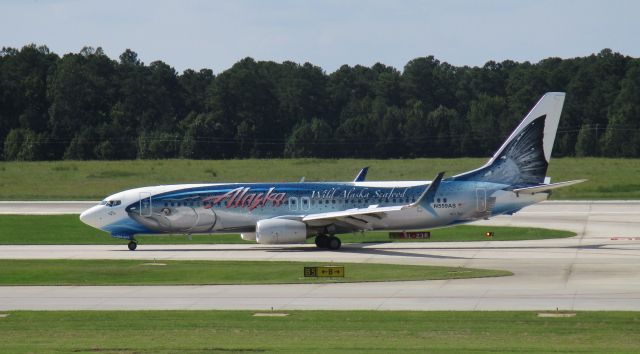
111,203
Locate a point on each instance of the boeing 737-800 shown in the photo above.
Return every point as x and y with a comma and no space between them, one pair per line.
289,213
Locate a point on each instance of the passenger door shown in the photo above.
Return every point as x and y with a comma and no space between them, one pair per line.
145,204
481,200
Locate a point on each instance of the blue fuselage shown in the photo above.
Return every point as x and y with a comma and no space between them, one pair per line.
237,207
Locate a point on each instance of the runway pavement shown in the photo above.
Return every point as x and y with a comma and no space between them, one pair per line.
44,207
597,270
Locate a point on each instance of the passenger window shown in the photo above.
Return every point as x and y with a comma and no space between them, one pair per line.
305,203
293,203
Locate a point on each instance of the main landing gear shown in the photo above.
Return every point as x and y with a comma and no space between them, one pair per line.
132,245
330,242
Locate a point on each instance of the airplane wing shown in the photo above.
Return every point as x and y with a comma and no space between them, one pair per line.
358,218
546,187
365,218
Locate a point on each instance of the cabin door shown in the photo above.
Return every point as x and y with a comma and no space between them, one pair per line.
145,204
481,199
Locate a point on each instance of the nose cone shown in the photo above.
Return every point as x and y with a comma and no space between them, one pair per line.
93,216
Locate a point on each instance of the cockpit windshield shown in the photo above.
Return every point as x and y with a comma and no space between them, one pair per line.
111,203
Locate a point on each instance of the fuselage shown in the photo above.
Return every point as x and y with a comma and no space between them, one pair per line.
237,207
280,213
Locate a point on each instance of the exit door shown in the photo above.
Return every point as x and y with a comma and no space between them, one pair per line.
145,204
481,199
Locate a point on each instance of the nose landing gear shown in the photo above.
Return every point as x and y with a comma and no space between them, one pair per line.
132,245
330,242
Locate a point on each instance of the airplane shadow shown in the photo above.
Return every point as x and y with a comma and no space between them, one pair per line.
350,248
360,249
365,248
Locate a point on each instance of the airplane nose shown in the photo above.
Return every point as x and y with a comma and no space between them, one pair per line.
92,216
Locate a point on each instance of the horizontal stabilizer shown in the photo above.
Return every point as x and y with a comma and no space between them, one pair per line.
546,187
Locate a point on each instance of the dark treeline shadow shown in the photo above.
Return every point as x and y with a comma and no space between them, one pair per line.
86,105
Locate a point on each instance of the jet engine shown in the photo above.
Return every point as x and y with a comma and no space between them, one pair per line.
248,236
278,231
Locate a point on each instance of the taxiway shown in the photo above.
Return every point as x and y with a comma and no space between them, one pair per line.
597,270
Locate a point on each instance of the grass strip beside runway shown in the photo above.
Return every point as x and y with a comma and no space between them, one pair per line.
94,180
68,230
317,332
143,272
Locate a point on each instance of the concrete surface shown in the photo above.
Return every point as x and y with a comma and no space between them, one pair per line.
44,207
597,270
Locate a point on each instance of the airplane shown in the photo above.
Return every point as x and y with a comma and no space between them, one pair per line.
291,213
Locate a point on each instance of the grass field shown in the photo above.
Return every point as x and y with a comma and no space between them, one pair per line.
317,332
68,229
137,272
93,180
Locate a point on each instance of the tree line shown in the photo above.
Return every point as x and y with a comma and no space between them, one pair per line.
86,105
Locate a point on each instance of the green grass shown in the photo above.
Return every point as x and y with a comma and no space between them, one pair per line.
141,272
68,229
465,233
93,180
317,332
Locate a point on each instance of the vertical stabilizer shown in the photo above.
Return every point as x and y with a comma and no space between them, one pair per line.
524,157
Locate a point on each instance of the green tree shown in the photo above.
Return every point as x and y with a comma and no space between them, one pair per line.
623,132
86,106
311,138
158,145
81,90
586,141
23,78
489,123
83,146
20,144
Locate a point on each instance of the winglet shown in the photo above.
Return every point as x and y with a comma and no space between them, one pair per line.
430,192
361,175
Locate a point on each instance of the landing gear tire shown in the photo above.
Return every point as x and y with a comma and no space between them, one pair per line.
132,245
322,241
334,243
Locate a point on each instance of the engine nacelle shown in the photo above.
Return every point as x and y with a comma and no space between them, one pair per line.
278,231
248,236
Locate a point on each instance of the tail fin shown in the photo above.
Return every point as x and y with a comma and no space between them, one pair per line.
524,157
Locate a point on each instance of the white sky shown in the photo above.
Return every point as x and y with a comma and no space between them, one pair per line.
329,33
